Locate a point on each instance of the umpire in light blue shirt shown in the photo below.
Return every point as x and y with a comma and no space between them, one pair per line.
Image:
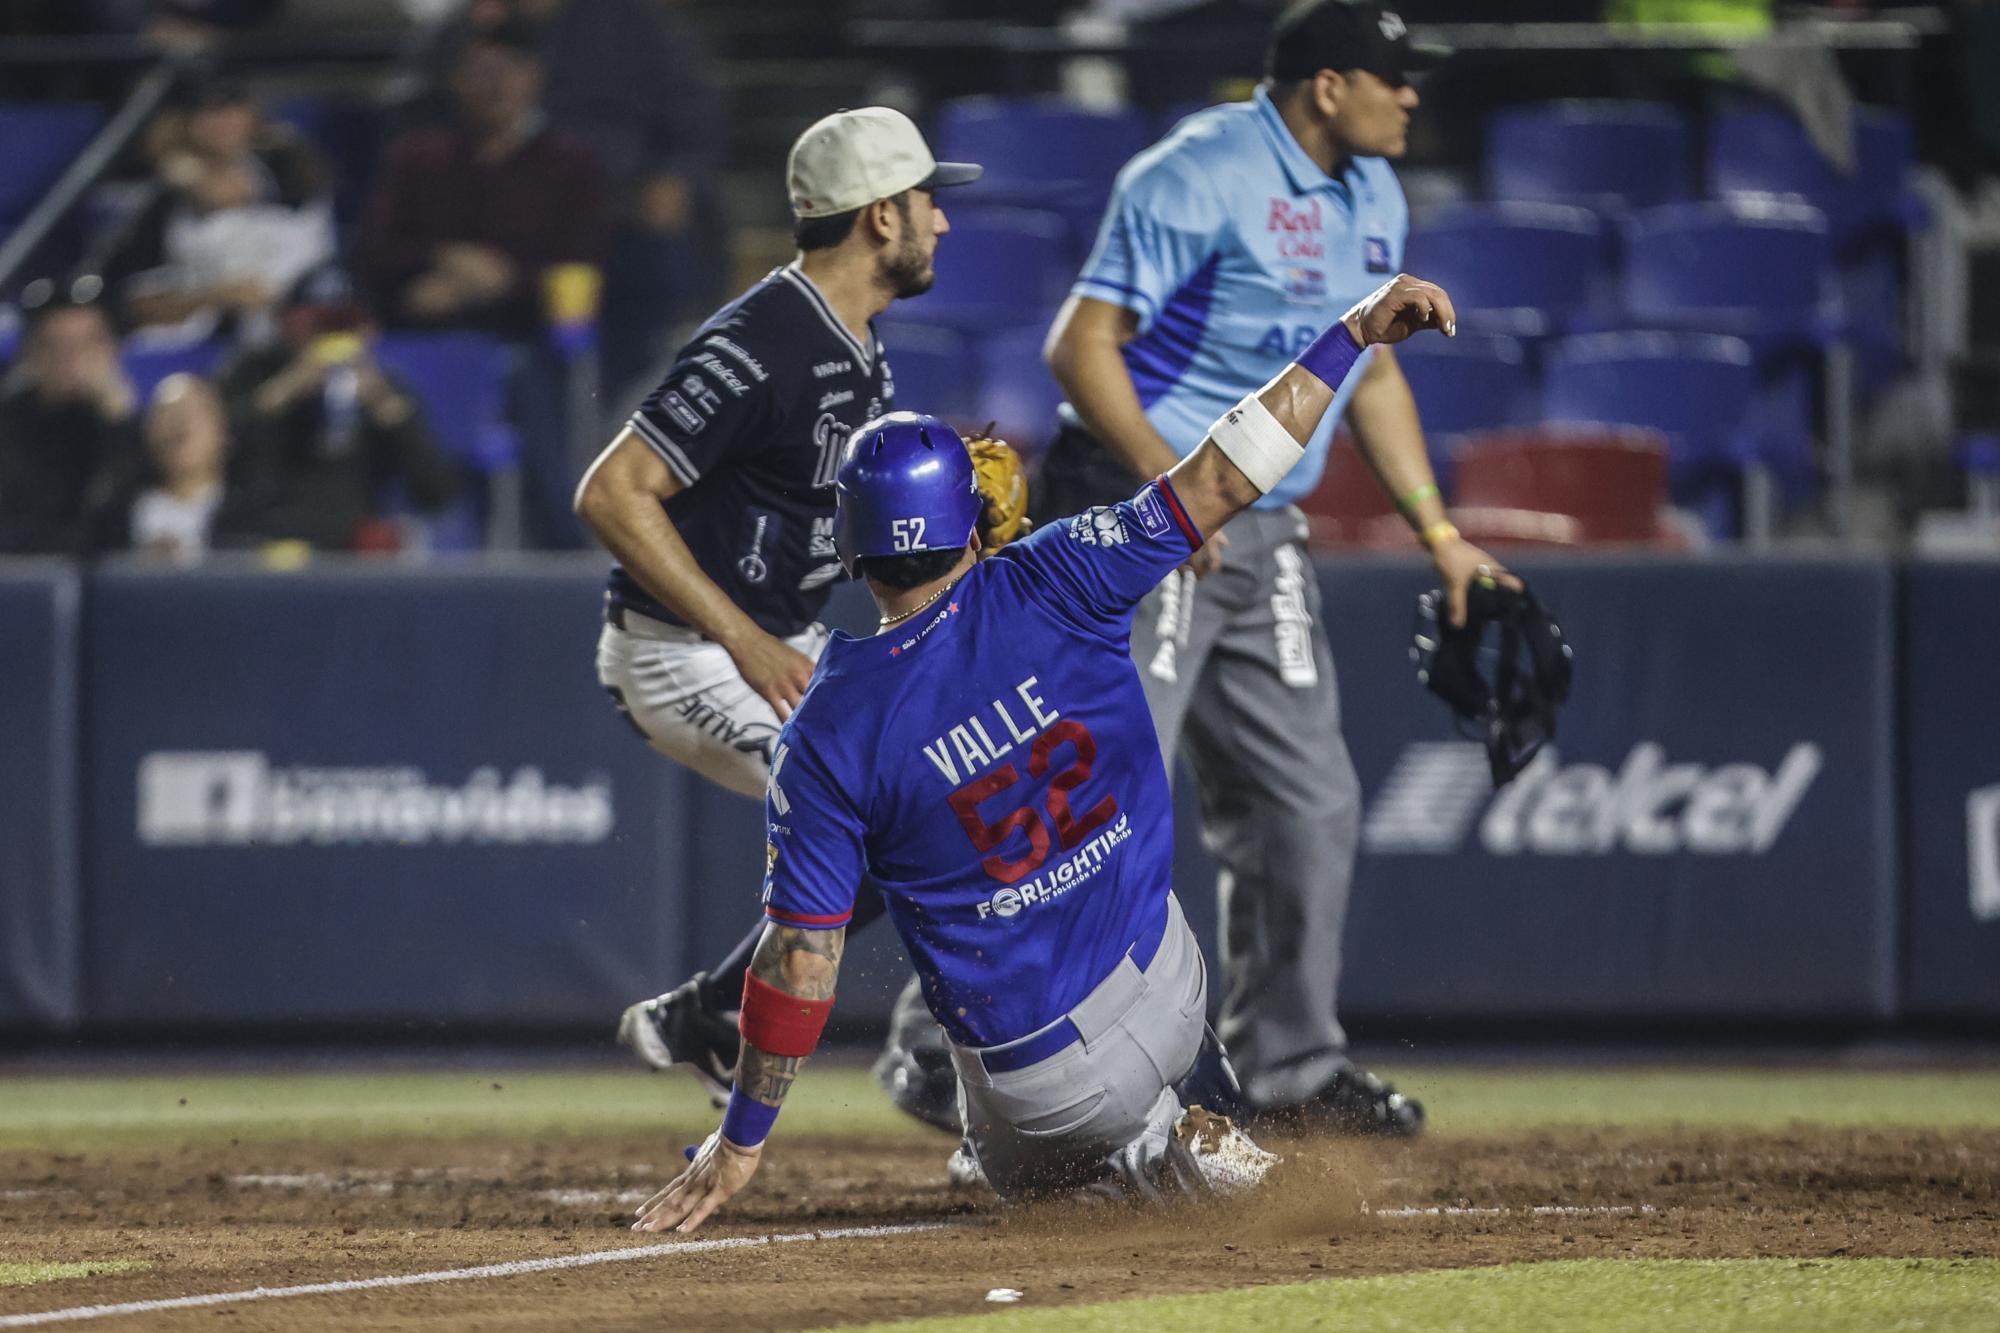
1228,246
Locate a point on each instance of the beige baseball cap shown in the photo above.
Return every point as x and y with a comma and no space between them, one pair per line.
852,158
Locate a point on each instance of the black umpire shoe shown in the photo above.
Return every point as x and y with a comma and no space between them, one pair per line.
684,1029
1355,1102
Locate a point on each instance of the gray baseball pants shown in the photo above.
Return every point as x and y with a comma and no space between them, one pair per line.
1104,1106
1237,670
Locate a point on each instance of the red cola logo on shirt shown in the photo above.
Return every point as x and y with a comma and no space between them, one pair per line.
1298,229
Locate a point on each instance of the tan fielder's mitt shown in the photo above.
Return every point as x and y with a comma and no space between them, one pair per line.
1003,485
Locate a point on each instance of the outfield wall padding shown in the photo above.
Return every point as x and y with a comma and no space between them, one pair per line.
1951,703
40,917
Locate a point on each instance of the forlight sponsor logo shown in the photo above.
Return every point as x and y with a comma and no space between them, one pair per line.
1066,875
1648,806
239,798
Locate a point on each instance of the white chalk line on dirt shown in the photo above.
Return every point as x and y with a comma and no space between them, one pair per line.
1543,1210
512,1268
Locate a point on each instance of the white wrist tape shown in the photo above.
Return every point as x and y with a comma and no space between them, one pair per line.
1250,437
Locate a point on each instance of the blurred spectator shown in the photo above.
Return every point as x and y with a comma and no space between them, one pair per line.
179,504
321,430
240,209
67,424
466,217
630,78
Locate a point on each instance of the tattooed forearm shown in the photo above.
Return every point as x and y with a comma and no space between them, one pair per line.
765,1076
799,962
805,963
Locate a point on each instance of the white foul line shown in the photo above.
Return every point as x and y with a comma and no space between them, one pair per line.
514,1268
1543,1210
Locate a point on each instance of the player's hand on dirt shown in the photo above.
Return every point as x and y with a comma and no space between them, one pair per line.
1400,307
1208,557
776,670
1458,563
718,1171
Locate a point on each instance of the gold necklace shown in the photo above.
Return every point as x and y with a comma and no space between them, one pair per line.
900,617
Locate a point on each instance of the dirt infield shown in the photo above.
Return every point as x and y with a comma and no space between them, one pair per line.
217,1218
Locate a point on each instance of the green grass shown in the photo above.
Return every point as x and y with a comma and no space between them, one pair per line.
88,1113
1472,1098
27,1275
94,1112
1576,1296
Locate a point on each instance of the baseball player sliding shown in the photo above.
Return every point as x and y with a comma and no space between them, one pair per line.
988,759
717,500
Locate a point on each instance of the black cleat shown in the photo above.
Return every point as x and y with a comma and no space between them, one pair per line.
1353,1102
684,1030
1357,1102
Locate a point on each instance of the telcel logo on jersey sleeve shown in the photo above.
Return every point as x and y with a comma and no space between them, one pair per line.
1647,807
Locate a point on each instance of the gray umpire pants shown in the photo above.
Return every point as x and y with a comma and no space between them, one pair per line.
1237,672
1102,1105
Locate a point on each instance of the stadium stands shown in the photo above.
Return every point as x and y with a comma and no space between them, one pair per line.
1701,391
933,368
1596,224
1612,484
1610,156
1763,272
146,365
1016,392
1469,383
42,138
1001,267
461,379
1519,268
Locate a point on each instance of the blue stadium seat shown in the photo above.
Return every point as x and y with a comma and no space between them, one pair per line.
461,379
42,139
1041,153
933,368
1610,156
1016,391
999,267
1701,391
1039,140
1759,153
1469,383
1523,269
1755,152
1763,272
146,365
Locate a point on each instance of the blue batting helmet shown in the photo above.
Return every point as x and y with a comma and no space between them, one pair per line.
905,484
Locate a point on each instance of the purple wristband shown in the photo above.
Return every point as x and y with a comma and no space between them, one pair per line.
1331,355
748,1121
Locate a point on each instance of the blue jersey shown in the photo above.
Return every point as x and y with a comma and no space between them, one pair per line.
992,766
1235,250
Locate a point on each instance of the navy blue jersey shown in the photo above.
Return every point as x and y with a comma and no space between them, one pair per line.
992,766
752,419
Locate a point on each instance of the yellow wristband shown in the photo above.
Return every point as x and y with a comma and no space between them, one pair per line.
1416,497
1444,530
